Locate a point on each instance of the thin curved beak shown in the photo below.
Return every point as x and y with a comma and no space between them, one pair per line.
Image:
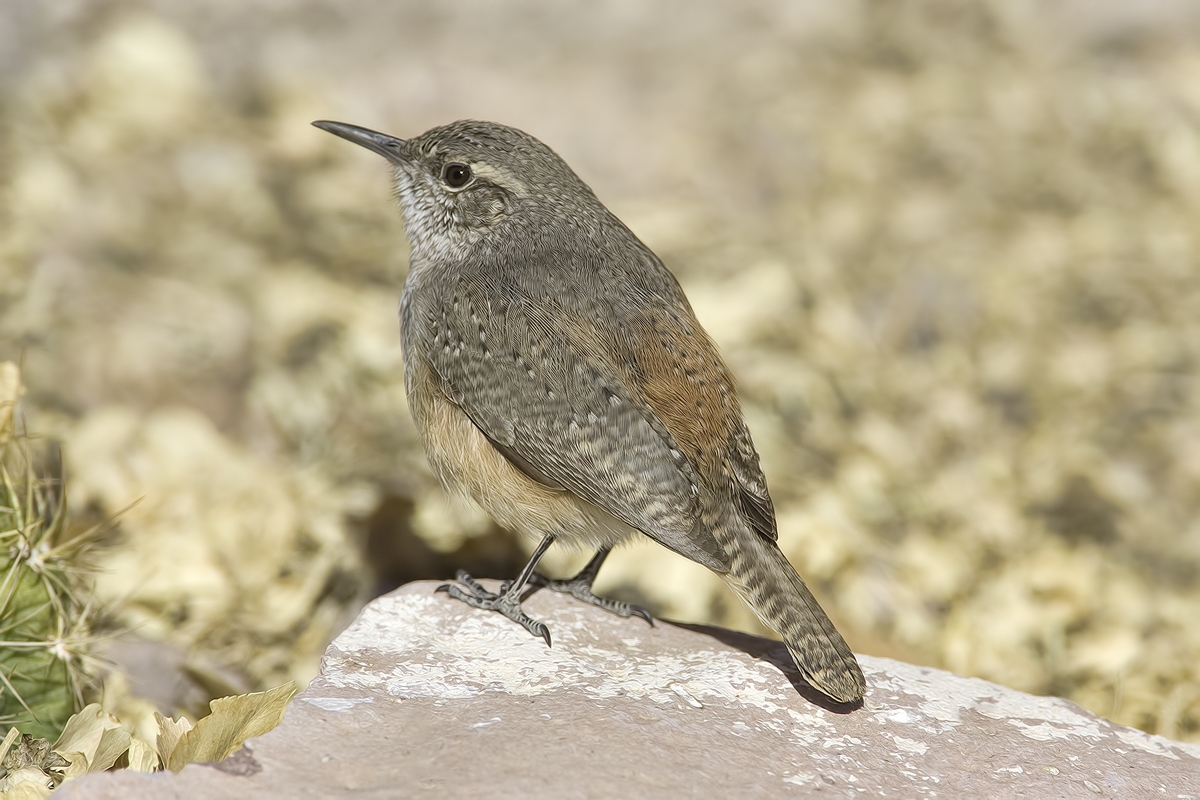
389,147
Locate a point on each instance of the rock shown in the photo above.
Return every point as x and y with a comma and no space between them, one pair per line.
424,696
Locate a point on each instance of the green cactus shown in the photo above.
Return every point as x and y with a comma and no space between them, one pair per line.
43,620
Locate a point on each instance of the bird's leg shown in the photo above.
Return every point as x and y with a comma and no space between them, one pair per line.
580,587
508,600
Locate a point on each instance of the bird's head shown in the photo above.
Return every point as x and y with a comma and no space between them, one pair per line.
458,182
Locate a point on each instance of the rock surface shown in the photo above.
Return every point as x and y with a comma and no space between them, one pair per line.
423,696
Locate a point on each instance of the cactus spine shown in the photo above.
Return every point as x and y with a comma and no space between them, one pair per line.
43,620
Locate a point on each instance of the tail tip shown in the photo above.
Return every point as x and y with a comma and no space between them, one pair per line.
843,683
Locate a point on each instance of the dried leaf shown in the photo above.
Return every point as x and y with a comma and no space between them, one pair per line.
83,731
170,731
233,720
33,752
13,735
28,784
79,765
142,757
92,741
113,743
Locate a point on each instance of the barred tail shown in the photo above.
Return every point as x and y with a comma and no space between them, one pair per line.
763,578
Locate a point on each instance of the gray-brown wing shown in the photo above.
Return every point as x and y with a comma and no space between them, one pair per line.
555,407
754,501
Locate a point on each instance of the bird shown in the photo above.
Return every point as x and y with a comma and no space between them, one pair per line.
557,375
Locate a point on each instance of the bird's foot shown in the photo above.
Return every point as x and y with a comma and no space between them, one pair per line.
580,587
506,601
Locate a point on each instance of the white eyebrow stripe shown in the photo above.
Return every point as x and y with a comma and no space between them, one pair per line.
499,177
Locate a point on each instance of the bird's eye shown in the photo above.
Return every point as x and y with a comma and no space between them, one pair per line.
456,175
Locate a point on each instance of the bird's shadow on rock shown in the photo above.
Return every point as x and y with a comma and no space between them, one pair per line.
775,653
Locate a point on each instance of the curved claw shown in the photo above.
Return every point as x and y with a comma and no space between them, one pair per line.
471,592
638,611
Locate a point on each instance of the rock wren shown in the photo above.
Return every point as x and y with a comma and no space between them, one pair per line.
558,376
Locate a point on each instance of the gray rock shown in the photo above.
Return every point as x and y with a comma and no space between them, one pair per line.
423,696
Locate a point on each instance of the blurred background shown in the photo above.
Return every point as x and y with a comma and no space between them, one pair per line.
949,250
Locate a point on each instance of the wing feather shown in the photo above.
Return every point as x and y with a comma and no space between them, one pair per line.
553,402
